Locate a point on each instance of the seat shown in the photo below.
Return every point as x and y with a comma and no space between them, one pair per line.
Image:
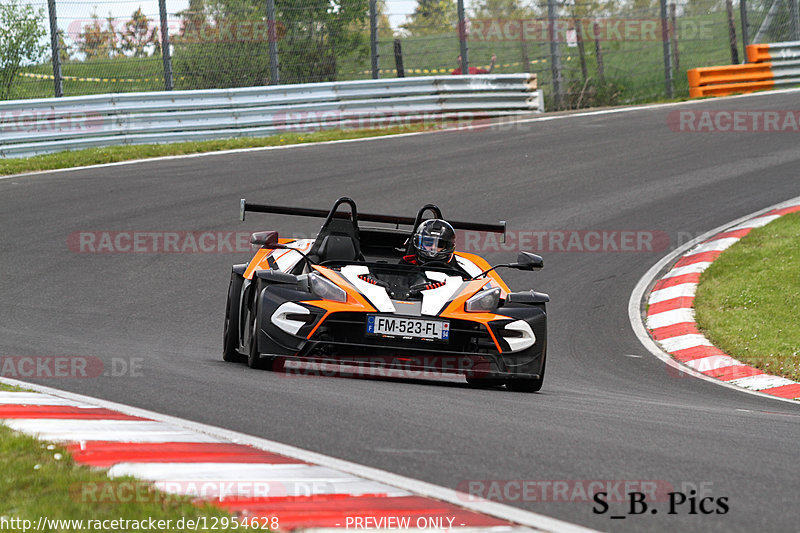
337,241
337,248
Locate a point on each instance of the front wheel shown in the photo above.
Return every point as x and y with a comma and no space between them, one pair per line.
230,338
254,355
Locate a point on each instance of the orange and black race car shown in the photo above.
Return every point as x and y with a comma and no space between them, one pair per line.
349,297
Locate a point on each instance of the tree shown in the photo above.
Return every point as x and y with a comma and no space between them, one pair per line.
431,17
224,43
96,42
64,49
21,41
502,9
138,37
318,36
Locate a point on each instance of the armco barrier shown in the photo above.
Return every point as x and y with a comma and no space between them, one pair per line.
769,52
31,127
769,65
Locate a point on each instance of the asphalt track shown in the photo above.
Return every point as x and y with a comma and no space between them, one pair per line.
603,414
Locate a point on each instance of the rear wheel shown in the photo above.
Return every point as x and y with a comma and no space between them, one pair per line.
230,339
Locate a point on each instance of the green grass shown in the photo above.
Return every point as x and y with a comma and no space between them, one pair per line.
748,300
62,489
147,72
12,388
42,480
111,154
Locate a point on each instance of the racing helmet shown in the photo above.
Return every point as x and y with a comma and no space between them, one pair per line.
434,240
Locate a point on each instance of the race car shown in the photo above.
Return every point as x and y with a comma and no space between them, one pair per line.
347,297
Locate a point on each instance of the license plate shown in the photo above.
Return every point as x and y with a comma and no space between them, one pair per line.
415,328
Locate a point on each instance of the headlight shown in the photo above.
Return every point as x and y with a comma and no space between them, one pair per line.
326,289
483,301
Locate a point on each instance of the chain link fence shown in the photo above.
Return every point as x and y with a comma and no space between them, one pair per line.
584,52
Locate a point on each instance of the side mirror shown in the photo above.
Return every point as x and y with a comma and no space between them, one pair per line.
528,261
267,239
276,276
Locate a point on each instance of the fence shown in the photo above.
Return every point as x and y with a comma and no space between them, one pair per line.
34,127
584,52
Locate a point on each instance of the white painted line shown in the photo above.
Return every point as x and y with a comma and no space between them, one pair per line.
219,490
225,471
713,362
694,268
421,488
252,479
684,342
34,398
670,318
719,245
104,430
676,291
756,222
761,382
545,118
636,307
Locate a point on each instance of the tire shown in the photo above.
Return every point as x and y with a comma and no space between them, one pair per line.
254,358
254,355
528,385
230,335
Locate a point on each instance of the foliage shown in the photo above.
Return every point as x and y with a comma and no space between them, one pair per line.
64,50
502,9
593,93
137,36
431,17
21,41
96,42
318,36
312,39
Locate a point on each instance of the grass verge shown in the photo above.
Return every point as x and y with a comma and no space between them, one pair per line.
41,480
748,300
111,154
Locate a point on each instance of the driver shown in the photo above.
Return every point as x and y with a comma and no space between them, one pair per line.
434,240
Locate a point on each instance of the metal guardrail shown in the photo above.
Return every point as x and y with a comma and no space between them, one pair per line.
759,53
32,127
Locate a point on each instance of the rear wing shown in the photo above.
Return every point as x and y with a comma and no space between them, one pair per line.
245,207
